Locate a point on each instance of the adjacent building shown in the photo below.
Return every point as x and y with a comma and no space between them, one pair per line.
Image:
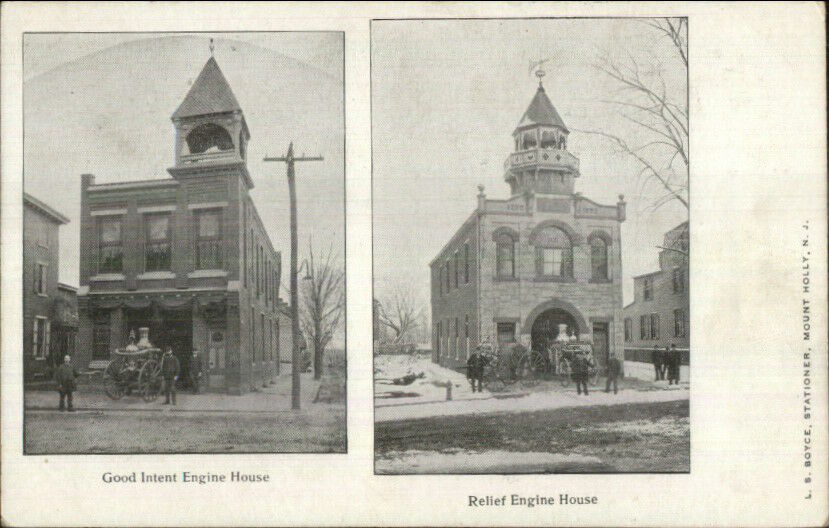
547,256
50,317
186,256
659,314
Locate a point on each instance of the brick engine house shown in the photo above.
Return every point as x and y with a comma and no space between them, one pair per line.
186,256
519,268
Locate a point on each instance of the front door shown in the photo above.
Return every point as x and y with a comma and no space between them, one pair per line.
216,358
601,350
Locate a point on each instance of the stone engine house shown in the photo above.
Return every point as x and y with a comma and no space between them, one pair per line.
519,268
186,256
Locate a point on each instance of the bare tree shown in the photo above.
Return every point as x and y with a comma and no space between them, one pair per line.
323,300
658,113
401,312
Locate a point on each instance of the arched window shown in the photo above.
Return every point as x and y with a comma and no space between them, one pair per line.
554,253
208,137
505,256
598,258
529,140
548,139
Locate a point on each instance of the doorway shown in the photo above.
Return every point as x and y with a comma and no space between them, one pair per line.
601,348
216,358
546,327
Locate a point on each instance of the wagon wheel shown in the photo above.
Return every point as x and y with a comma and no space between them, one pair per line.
541,365
148,380
531,370
565,372
493,384
112,383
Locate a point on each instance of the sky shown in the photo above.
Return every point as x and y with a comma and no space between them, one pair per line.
446,97
101,104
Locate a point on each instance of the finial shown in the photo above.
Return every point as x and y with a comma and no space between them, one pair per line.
480,189
211,47
540,74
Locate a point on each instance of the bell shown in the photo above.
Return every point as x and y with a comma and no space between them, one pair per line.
144,340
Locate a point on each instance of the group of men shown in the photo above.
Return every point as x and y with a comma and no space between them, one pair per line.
668,362
66,376
580,370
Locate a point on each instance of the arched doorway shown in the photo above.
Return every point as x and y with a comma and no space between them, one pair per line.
545,327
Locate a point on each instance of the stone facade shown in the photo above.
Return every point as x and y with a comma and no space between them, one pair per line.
49,308
659,313
545,256
188,256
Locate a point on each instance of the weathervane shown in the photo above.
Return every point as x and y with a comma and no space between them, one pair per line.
536,66
211,47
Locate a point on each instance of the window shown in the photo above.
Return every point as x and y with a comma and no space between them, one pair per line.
209,241
679,323
647,288
157,254
40,344
548,139
506,333
270,348
259,271
654,326
466,326
505,256
554,253
448,282
40,278
457,267
457,327
628,329
110,252
244,244
598,258
644,332
466,263
440,280
208,137
679,280
529,140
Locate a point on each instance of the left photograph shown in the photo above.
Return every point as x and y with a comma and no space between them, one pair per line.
183,243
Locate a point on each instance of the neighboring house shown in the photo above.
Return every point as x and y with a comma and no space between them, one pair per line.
659,313
545,259
49,308
186,256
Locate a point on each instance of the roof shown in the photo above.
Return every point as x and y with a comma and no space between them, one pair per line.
51,213
541,112
210,94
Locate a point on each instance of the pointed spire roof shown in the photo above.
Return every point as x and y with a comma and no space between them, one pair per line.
210,94
541,112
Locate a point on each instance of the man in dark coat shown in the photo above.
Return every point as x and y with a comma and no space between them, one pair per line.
614,370
195,371
475,369
673,365
65,376
658,359
169,370
581,368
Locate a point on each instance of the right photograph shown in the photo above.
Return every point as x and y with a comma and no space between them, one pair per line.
531,245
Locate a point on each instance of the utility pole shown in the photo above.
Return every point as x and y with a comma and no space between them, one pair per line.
289,160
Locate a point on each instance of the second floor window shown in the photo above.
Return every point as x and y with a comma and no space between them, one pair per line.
628,329
647,288
554,253
209,240
457,267
40,278
505,257
157,253
466,263
110,250
598,258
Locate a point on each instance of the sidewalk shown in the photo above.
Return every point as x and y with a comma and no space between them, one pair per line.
274,398
518,402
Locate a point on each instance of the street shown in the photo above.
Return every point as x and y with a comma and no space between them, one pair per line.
629,438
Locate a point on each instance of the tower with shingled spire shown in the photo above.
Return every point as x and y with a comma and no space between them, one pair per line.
211,131
541,162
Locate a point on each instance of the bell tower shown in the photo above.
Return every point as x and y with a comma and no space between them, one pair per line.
541,162
210,126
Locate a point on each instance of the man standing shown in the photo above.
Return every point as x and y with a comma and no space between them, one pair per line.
195,371
614,369
66,375
475,369
658,359
581,367
673,365
169,370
